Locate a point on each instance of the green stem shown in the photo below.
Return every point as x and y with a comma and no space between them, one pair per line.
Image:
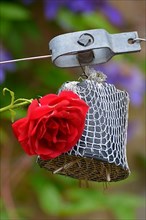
23,100
12,106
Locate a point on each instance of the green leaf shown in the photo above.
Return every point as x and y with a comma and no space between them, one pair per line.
51,76
59,197
5,28
16,44
31,30
11,11
19,113
70,20
97,20
77,201
82,201
3,213
50,199
124,205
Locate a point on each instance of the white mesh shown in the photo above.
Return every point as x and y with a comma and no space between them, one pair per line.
105,133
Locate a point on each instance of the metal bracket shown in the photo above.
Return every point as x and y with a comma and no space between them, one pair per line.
91,47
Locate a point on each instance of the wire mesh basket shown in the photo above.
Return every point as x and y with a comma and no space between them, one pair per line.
100,154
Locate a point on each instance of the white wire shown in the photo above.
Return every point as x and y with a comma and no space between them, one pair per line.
138,39
26,58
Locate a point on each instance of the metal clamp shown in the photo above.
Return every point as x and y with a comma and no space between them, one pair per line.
91,47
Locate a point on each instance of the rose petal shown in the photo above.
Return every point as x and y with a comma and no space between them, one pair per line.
40,112
73,134
28,147
69,94
60,104
52,155
39,127
20,128
47,148
34,104
47,99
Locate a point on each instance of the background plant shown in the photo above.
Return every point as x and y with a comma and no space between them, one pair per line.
28,192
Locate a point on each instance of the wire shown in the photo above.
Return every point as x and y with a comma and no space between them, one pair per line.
138,40
84,74
26,58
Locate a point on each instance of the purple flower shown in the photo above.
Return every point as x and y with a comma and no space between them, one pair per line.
127,77
5,55
51,8
85,6
113,14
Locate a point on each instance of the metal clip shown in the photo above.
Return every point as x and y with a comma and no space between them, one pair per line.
91,47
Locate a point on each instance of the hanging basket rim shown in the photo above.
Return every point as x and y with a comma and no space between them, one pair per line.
85,168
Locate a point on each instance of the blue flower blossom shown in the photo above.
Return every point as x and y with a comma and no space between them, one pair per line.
113,14
51,8
127,77
5,55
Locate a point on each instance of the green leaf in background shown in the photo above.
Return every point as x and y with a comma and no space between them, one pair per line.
49,196
31,30
3,213
124,205
50,199
97,20
51,76
82,201
68,202
70,20
12,11
15,42
5,29
20,113
73,200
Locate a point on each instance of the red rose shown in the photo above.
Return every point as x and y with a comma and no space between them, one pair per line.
53,124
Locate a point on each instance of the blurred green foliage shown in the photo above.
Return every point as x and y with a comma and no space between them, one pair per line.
11,12
70,21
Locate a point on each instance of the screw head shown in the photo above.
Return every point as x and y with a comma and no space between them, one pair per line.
86,40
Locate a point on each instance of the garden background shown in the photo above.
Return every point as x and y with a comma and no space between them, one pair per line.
26,27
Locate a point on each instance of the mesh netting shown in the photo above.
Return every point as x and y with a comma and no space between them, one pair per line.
100,154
